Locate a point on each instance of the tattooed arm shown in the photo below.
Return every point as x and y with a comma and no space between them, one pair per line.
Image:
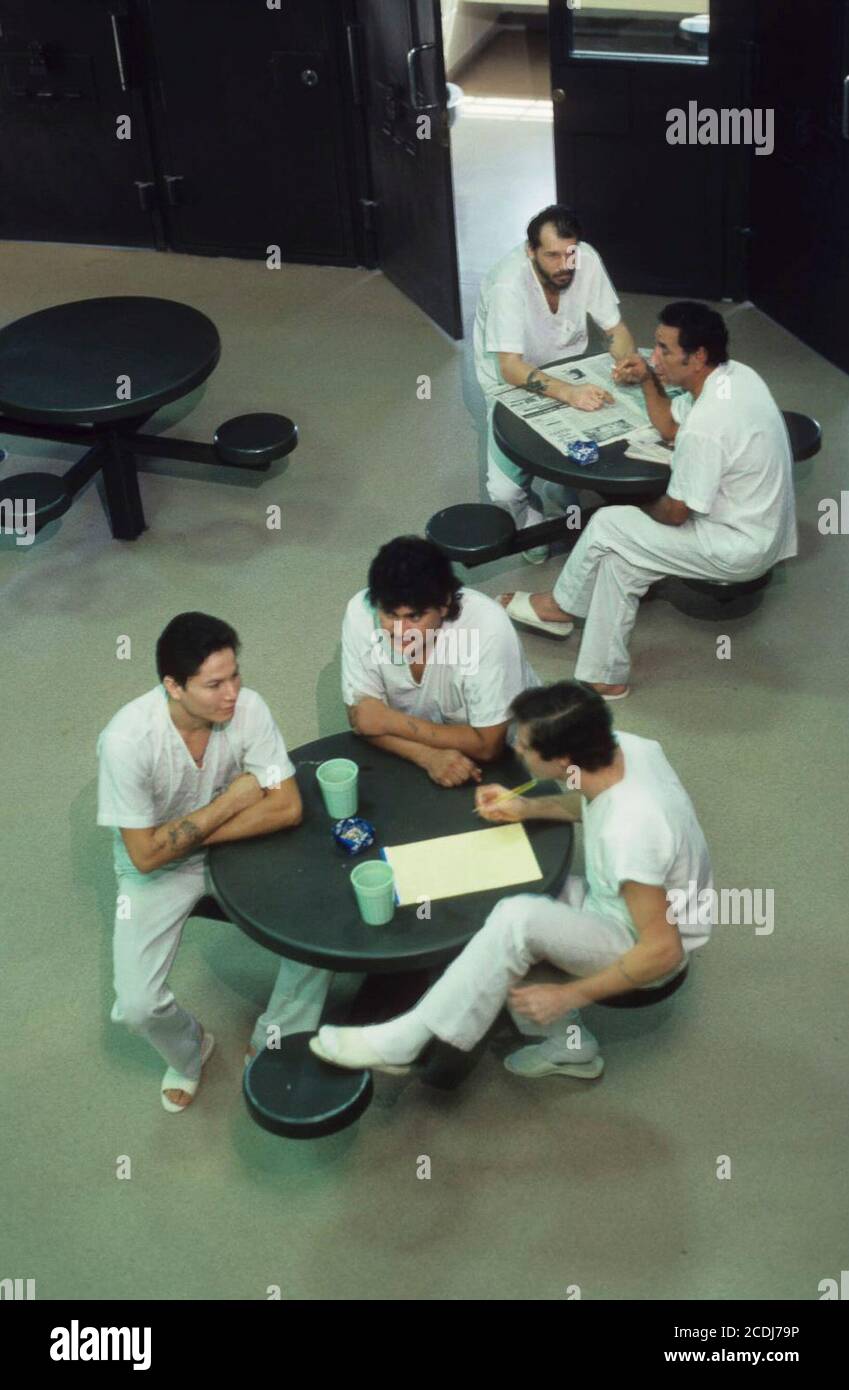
517,372
159,845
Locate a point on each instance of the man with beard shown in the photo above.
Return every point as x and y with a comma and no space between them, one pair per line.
532,309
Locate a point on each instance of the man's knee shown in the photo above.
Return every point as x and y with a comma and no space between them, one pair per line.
511,922
609,523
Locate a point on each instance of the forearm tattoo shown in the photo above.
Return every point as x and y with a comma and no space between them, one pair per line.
184,834
537,382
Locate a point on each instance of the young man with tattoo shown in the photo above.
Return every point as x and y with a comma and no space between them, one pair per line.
196,761
429,668
533,309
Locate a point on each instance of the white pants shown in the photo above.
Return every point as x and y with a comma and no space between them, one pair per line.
620,554
520,931
151,912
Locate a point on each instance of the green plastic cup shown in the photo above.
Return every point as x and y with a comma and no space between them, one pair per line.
374,886
338,781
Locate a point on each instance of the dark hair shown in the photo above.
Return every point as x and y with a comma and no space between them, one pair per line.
186,643
567,720
698,327
411,572
565,221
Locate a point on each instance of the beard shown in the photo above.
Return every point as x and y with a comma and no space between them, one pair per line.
559,283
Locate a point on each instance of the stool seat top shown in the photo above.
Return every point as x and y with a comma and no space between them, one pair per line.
291,1093
62,365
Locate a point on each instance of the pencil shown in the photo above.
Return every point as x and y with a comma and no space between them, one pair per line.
517,791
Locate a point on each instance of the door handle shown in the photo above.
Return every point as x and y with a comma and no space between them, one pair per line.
558,96
845,122
119,56
173,188
412,84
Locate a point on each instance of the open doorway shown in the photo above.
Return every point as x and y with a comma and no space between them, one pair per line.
502,141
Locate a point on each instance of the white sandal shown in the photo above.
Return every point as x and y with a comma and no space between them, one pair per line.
521,610
173,1081
346,1047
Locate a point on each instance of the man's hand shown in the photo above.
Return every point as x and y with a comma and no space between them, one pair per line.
542,1004
243,791
589,397
369,717
448,768
513,810
631,371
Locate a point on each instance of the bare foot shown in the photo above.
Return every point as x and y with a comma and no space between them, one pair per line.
182,1098
544,607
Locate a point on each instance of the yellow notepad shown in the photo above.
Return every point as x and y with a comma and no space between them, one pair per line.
469,863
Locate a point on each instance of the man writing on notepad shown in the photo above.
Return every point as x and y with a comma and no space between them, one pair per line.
612,931
429,668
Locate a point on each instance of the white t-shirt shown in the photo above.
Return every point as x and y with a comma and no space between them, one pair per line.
513,314
147,775
644,829
733,466
475,669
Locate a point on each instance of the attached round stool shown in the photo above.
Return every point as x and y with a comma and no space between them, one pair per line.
805,435
255,441
50,496
725,591
472,532
291,1093
644,998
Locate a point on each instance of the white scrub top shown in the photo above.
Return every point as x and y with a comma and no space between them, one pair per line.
476,668
645,829
513,313
733,466
147,776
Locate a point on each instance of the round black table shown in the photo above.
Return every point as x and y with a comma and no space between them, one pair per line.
63,365
613,475
94,371
291,891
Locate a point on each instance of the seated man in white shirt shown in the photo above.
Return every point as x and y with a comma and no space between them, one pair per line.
615,930
429,668
533,309
196,761
728,513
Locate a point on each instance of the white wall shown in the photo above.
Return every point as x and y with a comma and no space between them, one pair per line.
464,31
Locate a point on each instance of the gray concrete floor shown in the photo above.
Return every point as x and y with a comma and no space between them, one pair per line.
535,1186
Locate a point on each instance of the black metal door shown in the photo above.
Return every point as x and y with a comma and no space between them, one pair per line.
668,218
252,125
800,197
398,44
75,159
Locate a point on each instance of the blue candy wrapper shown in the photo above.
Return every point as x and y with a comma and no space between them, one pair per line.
353,834
583,452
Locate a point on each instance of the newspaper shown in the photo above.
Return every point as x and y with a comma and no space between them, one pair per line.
562,424
648,444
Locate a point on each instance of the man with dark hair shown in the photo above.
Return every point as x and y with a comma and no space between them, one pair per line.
533,309
728,512
429,667
613,931
196,761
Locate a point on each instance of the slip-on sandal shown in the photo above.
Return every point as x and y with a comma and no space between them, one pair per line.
521,610
621,696
173,1081
346,1047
